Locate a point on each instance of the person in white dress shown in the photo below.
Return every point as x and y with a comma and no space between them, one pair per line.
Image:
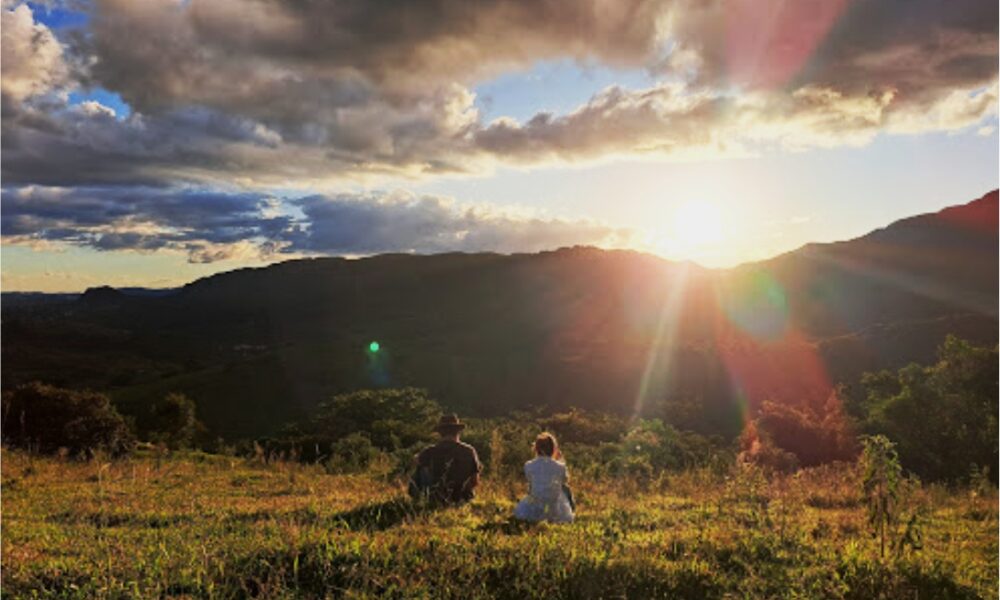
548,496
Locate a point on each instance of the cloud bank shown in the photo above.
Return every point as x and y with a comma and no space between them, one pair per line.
256,95
210,226
307,93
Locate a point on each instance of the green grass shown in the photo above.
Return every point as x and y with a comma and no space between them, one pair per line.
217,527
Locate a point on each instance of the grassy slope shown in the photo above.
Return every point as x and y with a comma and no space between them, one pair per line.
218,527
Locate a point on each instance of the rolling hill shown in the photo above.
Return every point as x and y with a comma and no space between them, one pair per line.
487,333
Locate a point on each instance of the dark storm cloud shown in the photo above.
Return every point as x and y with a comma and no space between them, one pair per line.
212,226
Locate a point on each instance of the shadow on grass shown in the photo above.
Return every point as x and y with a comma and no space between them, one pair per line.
379,516
509,526
112,519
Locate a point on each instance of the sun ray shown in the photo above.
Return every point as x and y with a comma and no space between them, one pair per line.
661,348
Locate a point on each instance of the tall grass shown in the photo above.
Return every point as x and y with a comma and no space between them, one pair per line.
204,526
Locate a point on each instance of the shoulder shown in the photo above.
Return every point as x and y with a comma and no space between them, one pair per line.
463,448
426,453
552,464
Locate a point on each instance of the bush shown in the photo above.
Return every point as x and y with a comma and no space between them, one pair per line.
649,448
352,454
943,417
886,492
757,447
393,421
44,418
393,418
176,423
584,427
814,436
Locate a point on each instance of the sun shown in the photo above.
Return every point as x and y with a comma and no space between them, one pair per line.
697,224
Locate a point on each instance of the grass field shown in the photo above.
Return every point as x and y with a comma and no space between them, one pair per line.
204,526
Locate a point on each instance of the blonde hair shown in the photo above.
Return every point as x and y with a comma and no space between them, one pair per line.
546,445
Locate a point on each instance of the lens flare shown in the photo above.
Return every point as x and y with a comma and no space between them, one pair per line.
756,303
374,347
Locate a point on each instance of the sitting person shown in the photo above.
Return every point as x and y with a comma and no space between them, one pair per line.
447,473
549,498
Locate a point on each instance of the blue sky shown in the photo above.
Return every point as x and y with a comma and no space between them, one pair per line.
299,144
552,86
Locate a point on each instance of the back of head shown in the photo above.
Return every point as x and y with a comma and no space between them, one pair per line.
546,445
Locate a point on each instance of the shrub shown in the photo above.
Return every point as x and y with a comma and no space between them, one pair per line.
885,493
45,418
394,418
943,417
394,421
814,436
584,427
176,422
757,447
353,453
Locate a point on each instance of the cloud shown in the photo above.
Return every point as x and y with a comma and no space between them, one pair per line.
211,226
673,120
205,225
300,94
372,223
231,53
32,57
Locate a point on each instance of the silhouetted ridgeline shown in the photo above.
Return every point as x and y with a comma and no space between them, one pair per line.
486,333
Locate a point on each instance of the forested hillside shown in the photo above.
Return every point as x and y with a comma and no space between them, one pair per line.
611,330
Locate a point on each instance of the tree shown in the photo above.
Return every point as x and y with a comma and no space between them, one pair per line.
390,419
393,418
814,435
175,421
45,418
942,417
880,486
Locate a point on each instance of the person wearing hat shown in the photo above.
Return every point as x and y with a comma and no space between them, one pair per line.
448,472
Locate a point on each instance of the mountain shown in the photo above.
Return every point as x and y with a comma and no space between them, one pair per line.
487,333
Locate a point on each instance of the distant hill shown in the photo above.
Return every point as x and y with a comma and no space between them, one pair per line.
487,333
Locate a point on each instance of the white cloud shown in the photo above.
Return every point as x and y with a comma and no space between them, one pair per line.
32,56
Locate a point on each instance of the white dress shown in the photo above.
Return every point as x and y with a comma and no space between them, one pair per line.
546,500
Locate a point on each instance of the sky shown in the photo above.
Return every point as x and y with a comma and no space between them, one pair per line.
152,142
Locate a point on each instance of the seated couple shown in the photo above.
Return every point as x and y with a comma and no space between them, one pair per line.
447,473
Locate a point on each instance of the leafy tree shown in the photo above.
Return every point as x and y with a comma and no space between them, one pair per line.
176,422
389,419
814,436
757,447
393,418
652,446
45,418
577,426
943,417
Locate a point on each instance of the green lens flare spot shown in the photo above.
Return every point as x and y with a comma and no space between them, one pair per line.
373,347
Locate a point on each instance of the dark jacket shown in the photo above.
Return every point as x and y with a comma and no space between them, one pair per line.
447,472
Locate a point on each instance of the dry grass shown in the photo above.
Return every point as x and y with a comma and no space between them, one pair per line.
218,527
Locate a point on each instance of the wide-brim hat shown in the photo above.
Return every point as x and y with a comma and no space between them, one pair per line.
449,423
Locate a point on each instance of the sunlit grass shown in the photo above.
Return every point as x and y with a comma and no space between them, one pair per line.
215,526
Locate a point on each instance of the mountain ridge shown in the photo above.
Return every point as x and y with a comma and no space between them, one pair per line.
613,330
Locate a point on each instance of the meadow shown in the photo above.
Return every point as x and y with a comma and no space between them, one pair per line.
194,525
